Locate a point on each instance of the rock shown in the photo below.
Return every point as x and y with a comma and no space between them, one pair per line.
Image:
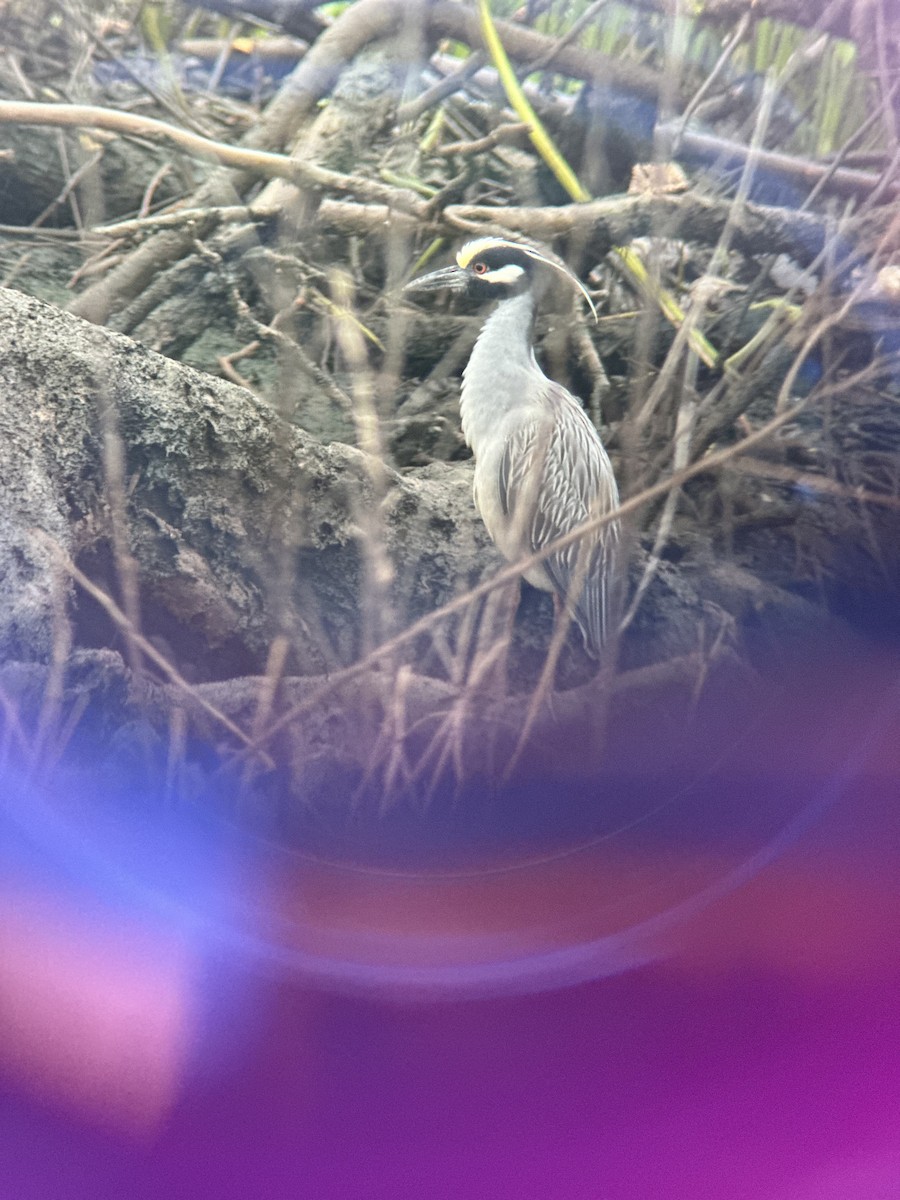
240,526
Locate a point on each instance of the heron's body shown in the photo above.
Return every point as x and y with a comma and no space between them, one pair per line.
540,467
499,412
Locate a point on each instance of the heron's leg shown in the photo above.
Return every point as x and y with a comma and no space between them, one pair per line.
562,613
495,634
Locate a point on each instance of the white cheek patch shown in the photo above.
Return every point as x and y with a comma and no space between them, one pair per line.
508,274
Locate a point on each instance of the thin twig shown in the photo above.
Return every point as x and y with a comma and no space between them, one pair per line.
281,166
728,49
181,216
411,111
121,621
512,131
553,52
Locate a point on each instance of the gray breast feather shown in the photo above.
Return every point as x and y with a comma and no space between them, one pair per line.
554,475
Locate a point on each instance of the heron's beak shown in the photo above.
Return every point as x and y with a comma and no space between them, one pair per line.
452,279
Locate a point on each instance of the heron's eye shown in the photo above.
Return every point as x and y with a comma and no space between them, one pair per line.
479,268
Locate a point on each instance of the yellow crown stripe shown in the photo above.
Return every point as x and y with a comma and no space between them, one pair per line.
478,246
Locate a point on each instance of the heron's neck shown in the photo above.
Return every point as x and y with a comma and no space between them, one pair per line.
498,373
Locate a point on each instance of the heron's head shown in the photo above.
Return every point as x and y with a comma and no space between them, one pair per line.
494,268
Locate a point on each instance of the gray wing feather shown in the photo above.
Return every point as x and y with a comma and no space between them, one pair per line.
556,467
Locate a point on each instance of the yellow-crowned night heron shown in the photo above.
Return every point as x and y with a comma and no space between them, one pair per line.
540,467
